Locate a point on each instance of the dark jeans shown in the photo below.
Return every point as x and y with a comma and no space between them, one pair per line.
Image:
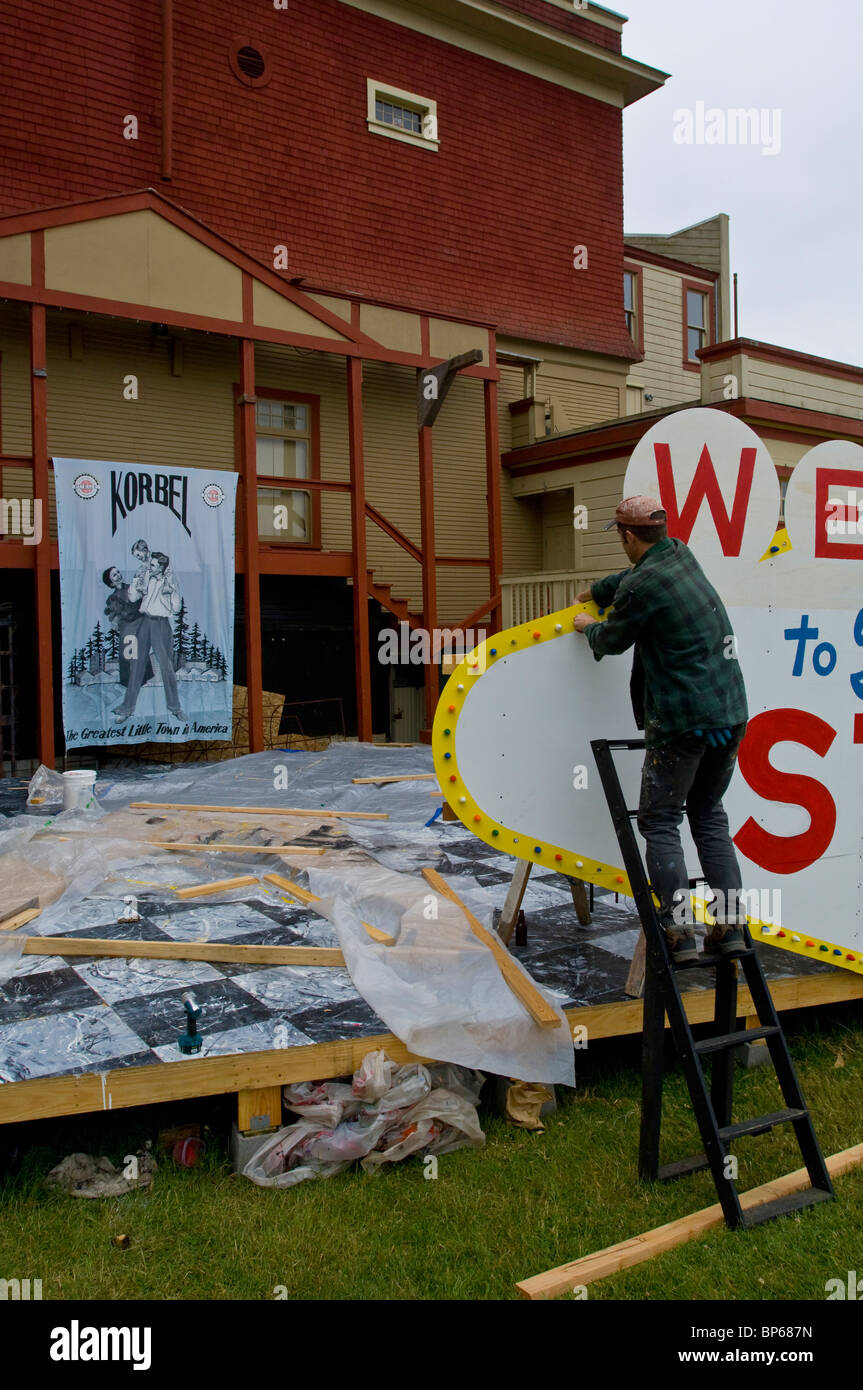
687,776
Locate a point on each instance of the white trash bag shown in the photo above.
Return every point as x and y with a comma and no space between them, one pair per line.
385,1114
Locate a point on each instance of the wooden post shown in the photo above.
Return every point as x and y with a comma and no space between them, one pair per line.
362,640
492,473
39,427
512,903
167,88
259,1110
252,584
429,568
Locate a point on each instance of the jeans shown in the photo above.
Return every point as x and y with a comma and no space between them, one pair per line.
687,775
154,635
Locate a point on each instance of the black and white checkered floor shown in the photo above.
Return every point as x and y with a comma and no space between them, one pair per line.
60,1017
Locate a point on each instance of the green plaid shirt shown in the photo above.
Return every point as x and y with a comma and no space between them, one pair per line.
686,674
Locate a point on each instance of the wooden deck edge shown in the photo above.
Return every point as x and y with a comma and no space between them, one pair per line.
47,1097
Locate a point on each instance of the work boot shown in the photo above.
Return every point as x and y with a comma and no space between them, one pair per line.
725,939
681,944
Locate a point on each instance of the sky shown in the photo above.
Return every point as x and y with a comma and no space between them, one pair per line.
796,214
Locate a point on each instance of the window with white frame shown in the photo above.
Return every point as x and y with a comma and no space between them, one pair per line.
283,443
402,115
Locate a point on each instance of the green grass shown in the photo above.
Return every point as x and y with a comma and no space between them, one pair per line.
521,1205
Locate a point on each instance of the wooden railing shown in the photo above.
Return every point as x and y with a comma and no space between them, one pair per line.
527,596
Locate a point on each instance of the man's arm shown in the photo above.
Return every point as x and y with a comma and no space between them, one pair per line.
137,587
620,629
602,591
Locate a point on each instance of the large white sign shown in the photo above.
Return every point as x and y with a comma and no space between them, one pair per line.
147,599
512,732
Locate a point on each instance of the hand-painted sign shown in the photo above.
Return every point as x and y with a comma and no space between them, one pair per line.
147,599
512,732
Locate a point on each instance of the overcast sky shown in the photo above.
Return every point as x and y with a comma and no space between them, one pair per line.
796,216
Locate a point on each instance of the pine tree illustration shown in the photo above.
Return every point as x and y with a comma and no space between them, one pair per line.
113,643
181,638
206,651
194,644
98,649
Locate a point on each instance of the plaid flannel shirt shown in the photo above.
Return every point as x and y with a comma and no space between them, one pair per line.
685,654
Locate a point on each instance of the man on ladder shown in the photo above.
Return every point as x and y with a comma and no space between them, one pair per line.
689,698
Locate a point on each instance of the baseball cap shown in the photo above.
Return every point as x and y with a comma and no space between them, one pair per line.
638,511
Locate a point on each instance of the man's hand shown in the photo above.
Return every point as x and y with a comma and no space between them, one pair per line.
584,597
582,620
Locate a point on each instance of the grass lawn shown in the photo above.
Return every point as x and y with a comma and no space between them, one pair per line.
521,1205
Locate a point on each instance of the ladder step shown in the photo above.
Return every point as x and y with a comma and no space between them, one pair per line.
706,960
760,1124
795,1201
722,1041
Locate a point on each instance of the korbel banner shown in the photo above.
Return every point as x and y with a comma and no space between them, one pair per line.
147,600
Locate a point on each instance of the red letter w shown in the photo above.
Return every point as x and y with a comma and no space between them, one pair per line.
704,485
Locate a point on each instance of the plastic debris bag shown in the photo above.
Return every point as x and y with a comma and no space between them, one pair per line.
45,787
341,1122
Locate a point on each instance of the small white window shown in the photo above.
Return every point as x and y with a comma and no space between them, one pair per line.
402,115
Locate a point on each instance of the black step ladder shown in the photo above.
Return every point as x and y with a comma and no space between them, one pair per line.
712,1106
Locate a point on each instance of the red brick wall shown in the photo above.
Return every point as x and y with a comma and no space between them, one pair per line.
483,228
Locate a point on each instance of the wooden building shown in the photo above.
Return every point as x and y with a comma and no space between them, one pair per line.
236,240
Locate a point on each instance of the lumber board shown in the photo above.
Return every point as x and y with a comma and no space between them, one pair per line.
405,777
523,988
6,915
306,897
192,847
20,919
627,1253
223,885
195,1076
221,952
318,811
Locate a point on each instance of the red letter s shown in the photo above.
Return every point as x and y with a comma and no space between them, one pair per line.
786,854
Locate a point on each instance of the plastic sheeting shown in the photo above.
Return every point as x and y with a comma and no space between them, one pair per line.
438,989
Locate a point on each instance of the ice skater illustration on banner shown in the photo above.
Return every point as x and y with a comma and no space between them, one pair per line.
147,642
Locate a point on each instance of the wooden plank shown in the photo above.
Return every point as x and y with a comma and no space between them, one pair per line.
195,848
224,885
259,810
197,1076
306,897
523,988
580,900
221,952
6,915
640,1248
21,919
259,1109
406,777
634,986
512,902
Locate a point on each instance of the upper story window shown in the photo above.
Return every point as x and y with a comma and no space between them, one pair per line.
402,115
696,323
284,446
629,306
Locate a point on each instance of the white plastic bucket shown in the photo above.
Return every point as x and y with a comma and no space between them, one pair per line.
78,789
